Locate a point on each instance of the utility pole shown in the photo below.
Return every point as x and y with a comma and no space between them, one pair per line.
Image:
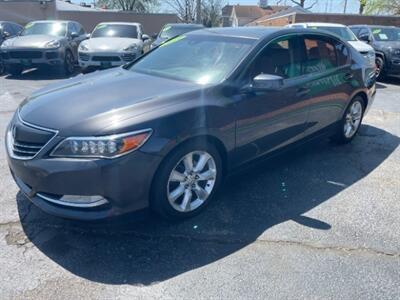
345,6
198,11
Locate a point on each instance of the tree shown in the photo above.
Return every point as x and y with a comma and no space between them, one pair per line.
303,2
185,9
141,6
211,12
363,5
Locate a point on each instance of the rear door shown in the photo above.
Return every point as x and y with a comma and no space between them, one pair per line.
327,65
269,120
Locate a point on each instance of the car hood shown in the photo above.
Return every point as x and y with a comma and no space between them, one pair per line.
99,103
361,46
109,44
32,41
389,44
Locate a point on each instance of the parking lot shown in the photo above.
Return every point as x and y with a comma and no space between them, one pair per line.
319,222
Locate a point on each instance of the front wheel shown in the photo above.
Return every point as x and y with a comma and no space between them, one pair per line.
380,65
351,121
68,67
187,180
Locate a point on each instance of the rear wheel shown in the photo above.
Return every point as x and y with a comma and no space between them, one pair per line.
351,121
68,66
380,68
186,181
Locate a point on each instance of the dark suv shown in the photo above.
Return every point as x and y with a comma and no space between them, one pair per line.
8,30
386,42
44,43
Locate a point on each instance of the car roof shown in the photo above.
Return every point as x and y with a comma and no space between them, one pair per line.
244,32
120,23
319,24
186,25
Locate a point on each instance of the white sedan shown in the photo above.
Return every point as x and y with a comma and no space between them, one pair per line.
113,44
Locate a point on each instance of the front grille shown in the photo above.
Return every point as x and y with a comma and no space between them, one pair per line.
84,57
106,58
25,54
51,55
128,57
25,140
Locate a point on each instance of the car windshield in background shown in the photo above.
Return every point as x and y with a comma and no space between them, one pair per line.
196,58
47,28
170,31
386,34
345,33
122,31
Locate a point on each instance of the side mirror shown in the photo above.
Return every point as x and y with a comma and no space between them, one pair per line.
267,82
87,36
365,38
154,35
6,34
145,37
74,35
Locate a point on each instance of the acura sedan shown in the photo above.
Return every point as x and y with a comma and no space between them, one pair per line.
163,131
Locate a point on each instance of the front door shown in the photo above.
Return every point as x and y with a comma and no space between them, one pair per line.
272,119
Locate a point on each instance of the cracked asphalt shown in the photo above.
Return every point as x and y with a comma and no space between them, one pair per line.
319,222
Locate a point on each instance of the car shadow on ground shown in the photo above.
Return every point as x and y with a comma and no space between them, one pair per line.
381,84
41,74
250,202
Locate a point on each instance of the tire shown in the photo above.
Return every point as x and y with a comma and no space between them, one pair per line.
14,70
380,68
68,67
167,187
2,68
351,121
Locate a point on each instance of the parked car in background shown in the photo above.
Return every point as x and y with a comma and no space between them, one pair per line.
386,42
7,31
113,44
172,30
164,130
44,44
346,34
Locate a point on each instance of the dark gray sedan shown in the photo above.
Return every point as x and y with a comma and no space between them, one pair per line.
164,130
44,43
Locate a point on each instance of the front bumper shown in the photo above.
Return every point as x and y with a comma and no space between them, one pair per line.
105,59
32,57
125,182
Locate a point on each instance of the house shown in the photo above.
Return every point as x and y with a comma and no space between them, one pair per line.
241,15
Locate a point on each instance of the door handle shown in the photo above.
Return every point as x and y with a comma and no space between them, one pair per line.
348,76
302,91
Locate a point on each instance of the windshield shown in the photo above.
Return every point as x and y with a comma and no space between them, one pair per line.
47,28
386,34
196,58
113,30
170,31
344,32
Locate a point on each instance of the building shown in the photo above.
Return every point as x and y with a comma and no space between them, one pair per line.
241,15
24,11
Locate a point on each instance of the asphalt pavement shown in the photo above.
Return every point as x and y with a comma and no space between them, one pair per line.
319,222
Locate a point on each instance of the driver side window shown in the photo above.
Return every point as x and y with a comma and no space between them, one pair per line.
281,57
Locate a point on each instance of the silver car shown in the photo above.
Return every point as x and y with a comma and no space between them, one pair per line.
113,44
44,43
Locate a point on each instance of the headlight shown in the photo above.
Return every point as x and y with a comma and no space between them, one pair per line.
53,44
83,47
131,48
101,147
396,52
6,43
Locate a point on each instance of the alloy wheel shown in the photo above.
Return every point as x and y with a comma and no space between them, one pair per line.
69,62
191,181
353,119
